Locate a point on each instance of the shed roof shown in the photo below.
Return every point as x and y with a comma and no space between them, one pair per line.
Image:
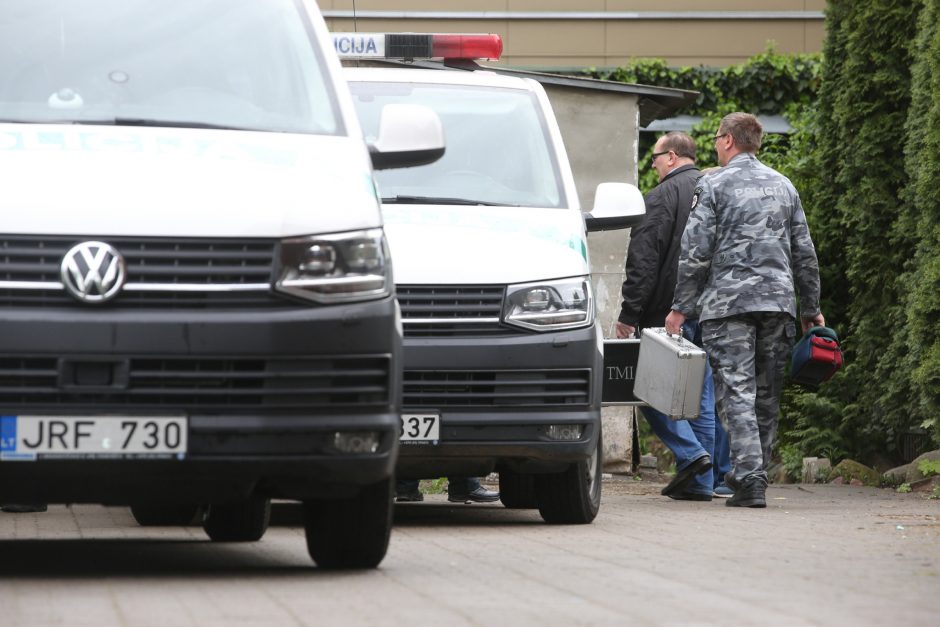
654,102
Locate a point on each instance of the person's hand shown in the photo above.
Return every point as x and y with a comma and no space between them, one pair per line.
625,331
674,322
816,321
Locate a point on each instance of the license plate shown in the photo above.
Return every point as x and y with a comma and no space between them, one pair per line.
29,438
420,427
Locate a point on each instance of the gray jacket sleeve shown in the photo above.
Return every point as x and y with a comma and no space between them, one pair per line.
698,247
805,264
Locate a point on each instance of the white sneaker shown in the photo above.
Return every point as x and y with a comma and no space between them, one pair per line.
723,492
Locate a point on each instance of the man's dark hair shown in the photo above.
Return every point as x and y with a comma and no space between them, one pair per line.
679,143
744,128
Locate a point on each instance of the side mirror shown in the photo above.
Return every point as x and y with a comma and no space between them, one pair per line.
409,135
616,206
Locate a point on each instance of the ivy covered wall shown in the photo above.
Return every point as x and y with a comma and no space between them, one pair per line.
766,83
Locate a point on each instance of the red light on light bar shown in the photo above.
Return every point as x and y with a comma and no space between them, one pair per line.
467,46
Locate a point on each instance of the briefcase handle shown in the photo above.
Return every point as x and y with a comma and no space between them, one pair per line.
676,337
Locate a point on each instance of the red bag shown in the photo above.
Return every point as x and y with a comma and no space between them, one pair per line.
816,357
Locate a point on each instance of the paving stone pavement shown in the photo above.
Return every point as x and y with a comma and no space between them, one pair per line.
818,555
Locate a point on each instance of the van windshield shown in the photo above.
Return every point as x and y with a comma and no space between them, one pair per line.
498,149
188,63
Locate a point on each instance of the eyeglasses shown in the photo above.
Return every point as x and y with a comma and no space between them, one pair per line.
717,137
656,155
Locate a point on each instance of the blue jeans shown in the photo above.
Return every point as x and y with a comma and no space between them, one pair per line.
721,460
690,439
456,486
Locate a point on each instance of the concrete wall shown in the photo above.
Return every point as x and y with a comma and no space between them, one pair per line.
603,33
600,131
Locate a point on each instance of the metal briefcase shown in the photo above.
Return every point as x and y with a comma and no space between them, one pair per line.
670,373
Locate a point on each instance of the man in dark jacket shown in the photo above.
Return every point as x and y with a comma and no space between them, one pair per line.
652,264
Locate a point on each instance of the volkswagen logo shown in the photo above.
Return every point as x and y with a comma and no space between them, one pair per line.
93,272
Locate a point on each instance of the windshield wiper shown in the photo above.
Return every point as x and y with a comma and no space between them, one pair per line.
159,123
440,200
133,122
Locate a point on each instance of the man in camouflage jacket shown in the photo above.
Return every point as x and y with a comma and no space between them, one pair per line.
746,253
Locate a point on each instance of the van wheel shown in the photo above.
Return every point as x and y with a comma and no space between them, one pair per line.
571,497
163,515
517,490
350,533
245,521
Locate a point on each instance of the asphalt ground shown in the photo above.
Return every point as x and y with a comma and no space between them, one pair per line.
818,555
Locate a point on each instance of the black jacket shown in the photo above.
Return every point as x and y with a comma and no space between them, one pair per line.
653,258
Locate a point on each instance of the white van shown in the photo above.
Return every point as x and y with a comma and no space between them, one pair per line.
503,354
196,298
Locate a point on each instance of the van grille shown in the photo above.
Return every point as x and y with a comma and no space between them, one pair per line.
496,388
161,272
452,310
203,384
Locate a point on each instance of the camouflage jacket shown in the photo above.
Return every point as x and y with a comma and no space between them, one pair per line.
746,246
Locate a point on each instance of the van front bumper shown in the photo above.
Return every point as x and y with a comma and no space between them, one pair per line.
497,397
264,394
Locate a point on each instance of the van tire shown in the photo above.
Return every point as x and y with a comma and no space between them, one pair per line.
166,515
517,490
245,521
351,533
573,496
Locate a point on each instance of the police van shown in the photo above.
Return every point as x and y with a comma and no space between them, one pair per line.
197,309
503,353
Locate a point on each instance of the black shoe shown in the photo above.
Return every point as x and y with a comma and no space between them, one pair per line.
750,493
690,496
478,495
684,477
409,497
23,508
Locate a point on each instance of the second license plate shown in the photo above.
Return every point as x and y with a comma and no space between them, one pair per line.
420,427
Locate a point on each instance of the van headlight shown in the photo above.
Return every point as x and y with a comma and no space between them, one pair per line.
337,267
550,305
